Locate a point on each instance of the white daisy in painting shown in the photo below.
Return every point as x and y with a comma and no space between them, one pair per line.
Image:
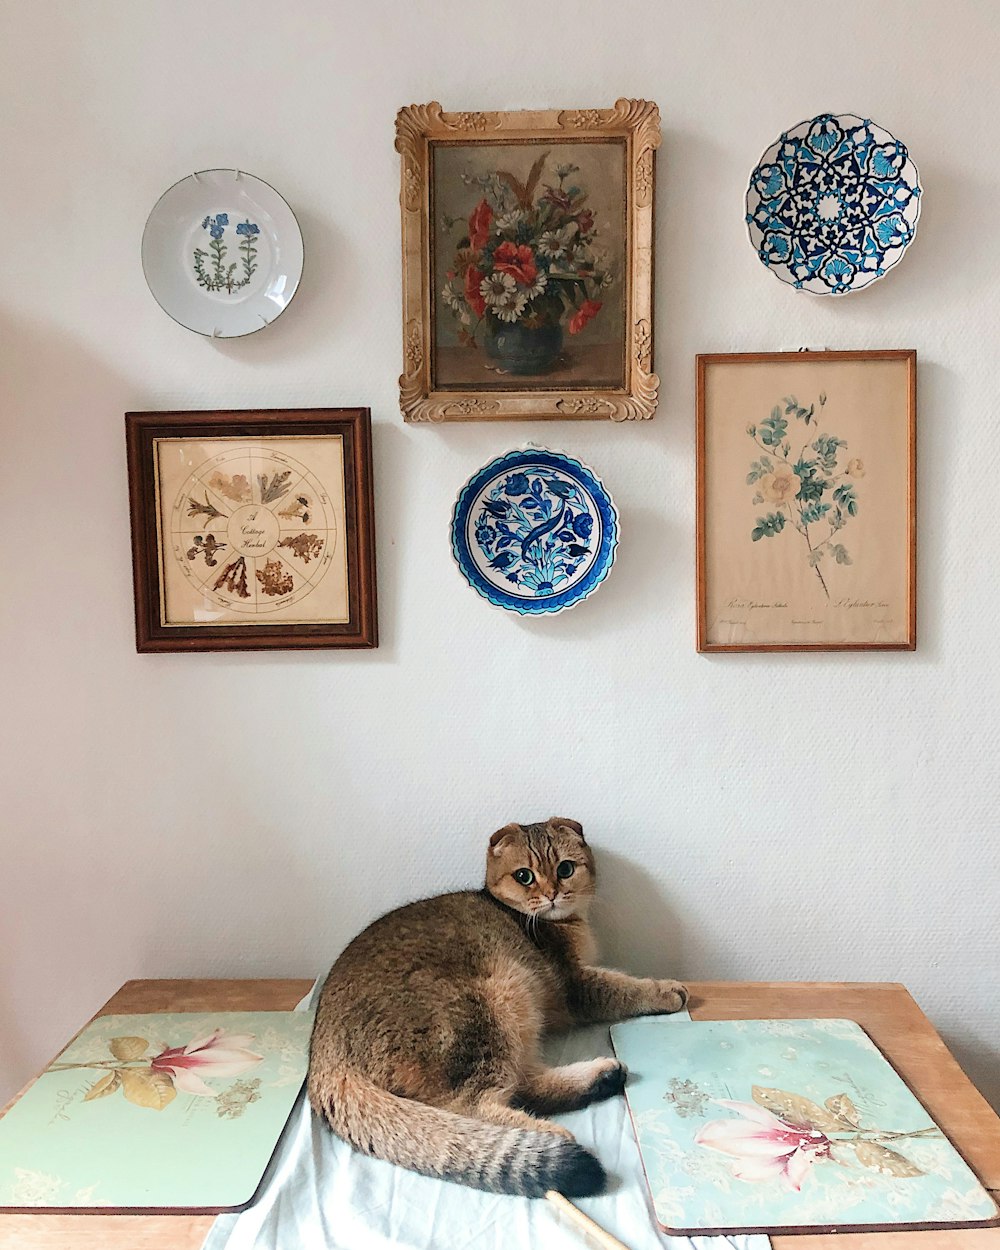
512,308
555,243
497,289
538,286
507,223
451,297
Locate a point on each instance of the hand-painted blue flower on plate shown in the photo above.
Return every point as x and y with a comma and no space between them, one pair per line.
534,531
833,204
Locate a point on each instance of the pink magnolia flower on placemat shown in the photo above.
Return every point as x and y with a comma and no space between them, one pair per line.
763,1147
217,1055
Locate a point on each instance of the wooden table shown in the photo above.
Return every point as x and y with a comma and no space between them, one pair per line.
885,1011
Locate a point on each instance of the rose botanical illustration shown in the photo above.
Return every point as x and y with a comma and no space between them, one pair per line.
223,276
153,1081
812,490
781,1136
526,266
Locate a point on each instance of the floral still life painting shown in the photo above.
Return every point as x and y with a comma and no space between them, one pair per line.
531,264
786,1124
806,501
527,262
155,1111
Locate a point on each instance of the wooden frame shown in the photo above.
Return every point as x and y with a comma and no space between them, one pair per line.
425,129
282,549
876,622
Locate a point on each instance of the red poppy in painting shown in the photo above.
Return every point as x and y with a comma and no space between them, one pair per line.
586,312
479,224
518,260
473,295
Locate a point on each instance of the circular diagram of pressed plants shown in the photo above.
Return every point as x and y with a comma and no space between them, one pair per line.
534,531
252,530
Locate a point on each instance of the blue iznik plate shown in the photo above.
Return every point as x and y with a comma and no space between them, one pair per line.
833,204
534,531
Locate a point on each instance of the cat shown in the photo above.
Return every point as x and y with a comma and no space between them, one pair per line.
425,1047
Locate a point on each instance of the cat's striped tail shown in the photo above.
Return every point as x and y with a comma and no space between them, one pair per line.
451,1147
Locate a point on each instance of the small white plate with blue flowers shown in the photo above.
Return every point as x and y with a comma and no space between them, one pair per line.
222,253
534,531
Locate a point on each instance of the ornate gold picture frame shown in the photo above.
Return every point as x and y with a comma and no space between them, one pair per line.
528,263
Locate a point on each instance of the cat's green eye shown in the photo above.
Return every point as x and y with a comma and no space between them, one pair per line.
566,869
523,876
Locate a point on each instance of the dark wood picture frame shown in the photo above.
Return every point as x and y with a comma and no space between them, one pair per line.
143,430
704,363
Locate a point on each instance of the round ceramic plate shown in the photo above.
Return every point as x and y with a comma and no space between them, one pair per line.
534,531
222,253
833,204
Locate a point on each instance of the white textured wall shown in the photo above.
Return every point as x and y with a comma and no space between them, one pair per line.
787,817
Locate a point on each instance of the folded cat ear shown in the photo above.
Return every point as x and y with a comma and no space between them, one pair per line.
502,836
568,826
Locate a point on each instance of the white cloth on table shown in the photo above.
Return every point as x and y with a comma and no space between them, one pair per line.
318,1194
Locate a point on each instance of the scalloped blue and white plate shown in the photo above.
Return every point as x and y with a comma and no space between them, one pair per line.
833,204
534,531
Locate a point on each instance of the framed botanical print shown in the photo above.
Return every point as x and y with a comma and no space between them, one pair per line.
807,501
252,530
527,262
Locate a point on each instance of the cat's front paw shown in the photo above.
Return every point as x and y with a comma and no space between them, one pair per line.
669,996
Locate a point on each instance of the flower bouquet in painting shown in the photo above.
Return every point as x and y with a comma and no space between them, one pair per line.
527,267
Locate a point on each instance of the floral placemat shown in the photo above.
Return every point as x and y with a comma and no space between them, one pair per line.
156,1112
770,1125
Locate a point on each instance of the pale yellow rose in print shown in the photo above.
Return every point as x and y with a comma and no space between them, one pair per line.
856,468
781,486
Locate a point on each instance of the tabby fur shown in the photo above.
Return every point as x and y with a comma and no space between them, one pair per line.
426,1045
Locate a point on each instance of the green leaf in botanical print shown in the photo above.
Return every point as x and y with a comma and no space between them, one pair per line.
827,446
794,408
814,512
773,428
845,496
760,468
812,486
797,484
768,526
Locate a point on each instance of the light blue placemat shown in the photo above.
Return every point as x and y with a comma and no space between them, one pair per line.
771,1124
156,1111
318,1192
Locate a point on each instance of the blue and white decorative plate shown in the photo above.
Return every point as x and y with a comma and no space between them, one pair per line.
833,204
534,531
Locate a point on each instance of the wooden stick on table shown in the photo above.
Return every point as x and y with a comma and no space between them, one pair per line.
584,1222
